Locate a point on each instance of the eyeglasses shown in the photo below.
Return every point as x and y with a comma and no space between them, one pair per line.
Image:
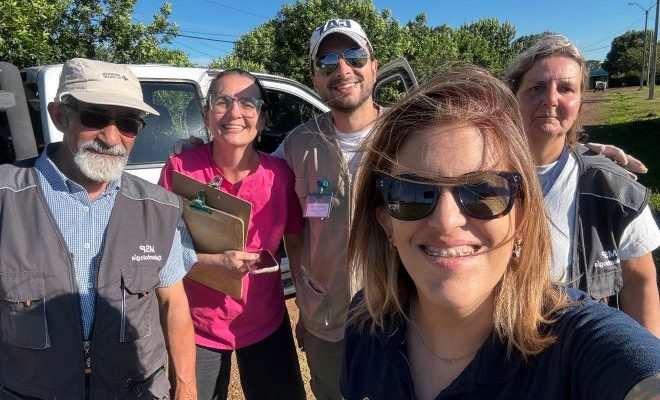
248,106
407,198
355,57
129,126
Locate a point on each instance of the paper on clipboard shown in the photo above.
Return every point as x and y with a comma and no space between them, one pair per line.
220,226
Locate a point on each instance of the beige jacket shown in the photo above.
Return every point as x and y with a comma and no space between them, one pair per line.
322,284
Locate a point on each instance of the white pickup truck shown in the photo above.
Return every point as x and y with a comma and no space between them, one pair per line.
177,93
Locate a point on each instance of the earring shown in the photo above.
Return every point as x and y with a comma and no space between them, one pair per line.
391,240
517,247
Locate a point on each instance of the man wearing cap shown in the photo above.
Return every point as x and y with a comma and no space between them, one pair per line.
323,155
91,259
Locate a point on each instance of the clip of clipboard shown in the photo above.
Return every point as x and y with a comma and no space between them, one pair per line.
218,222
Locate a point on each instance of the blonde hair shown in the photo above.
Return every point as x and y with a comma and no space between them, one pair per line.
548,46
459,93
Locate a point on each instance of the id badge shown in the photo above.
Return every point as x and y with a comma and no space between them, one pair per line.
319,204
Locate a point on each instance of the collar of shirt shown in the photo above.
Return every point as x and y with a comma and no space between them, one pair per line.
60,182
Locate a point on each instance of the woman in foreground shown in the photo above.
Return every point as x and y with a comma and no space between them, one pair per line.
457,299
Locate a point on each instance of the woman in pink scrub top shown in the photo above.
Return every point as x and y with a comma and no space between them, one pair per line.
257,326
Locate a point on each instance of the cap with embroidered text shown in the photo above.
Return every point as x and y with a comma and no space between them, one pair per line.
101,83
346,27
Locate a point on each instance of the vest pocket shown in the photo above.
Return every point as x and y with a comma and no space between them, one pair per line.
23,310
137,303
153,387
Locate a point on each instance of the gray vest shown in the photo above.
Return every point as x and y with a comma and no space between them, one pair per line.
608,201
42,354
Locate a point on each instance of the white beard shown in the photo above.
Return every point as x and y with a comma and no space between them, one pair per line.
92,162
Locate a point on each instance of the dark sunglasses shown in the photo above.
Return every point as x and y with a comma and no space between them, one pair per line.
129,126
408,198
355,57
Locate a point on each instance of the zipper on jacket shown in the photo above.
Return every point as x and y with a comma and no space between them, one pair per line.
87,366
86,342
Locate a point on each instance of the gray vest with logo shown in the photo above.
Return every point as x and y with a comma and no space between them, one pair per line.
608,201
42,354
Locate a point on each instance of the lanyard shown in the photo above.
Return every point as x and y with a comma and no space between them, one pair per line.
555,171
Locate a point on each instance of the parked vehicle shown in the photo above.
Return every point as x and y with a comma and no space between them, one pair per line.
177,93
600,85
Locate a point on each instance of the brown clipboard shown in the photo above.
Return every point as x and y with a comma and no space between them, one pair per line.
218,222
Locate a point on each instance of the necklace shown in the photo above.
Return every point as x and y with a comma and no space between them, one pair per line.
447,360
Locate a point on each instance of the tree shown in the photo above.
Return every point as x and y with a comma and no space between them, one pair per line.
625,56
487,43
426,48
281,44
25,31
526,41
231,61
593,65
40,32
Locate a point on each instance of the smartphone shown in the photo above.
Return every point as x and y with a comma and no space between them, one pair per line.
265,263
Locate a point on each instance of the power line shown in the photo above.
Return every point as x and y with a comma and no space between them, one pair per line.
209,33
587,49
209,39
237,9
193,49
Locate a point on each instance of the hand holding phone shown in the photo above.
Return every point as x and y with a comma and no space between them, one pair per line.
265,263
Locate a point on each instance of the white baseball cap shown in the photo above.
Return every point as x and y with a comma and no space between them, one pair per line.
346,27
101,83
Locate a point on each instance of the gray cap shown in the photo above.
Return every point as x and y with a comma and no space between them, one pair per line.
101,83
346,27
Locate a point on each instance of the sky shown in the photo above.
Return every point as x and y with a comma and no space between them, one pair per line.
590,24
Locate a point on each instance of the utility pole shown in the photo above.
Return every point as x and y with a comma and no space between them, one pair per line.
642,76
655,51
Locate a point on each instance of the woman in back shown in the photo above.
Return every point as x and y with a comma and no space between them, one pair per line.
601,227
457,300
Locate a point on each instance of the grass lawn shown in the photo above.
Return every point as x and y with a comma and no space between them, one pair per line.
626,118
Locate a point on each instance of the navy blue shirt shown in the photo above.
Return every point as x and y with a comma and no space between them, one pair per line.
600,353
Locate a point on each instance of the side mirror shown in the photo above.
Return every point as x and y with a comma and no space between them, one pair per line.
7,101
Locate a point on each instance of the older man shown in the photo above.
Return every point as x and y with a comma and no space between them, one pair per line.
92,258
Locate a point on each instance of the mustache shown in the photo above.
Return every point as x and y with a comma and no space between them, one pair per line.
97,146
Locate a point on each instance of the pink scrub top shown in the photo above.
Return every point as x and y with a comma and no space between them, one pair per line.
220,321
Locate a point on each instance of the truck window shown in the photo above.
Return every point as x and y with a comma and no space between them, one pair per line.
286,111
180,116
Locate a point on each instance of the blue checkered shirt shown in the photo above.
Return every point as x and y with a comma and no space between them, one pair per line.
83,224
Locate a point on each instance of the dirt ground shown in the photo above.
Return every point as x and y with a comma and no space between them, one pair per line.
235,392
590,105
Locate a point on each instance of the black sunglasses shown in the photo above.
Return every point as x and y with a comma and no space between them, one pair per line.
129,126
355,57
408,198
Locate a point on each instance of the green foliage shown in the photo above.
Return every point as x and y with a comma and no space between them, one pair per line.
487,43
40,32
655,202
26,28
526,41
594,65
281,45
625,57
231,61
